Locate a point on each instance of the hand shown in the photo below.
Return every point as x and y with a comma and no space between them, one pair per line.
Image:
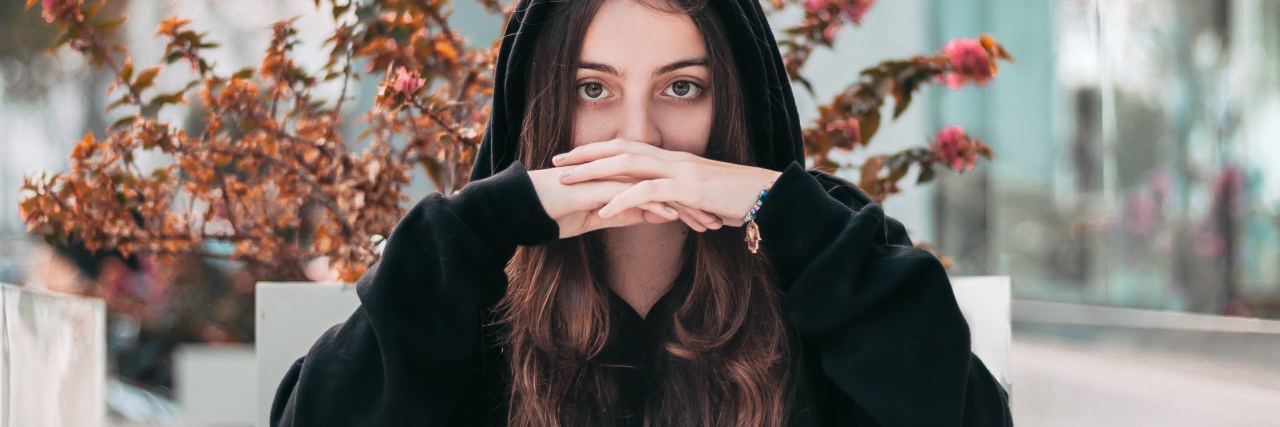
574,207
725,190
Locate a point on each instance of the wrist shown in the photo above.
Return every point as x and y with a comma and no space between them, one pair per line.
752,229
759,185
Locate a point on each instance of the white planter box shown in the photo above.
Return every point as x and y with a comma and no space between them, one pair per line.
215,385
289,317
985,302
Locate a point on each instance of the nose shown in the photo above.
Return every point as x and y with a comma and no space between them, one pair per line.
639,123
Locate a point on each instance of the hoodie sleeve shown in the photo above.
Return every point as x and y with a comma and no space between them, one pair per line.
411,354
889,331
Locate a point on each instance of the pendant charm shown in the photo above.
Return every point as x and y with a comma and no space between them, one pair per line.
753,237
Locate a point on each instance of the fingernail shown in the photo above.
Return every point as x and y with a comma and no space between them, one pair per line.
565,174
557,158
603,213
672,211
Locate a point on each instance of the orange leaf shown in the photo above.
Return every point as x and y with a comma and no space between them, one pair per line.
145,78
446,50
871,173
172,25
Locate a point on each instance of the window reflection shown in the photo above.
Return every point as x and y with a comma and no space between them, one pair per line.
1158,182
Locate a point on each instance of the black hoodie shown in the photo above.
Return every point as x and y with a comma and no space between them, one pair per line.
879,337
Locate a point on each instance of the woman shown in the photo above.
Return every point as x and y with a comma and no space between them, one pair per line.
623,293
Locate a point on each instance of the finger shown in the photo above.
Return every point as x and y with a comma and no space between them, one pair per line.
589,197
694,224
599,150
593,195
633,216
661,209
693,217
702,217
625,165
654,190
656,213
622,219
651,218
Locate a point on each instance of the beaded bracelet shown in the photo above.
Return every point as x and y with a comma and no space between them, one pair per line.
753,230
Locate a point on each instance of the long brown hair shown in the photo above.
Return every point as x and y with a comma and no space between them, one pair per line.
725,360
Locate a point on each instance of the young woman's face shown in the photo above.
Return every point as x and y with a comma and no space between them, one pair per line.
643,77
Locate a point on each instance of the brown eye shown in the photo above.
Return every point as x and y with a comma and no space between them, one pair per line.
592,91
681,88
684,89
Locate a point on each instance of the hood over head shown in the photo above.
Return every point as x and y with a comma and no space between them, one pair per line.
770,108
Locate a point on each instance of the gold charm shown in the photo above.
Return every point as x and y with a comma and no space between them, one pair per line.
753,237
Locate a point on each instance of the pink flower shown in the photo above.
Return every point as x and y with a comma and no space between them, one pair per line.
406,82
856,9
955,149
970,62
952,80
51,9
832,30
832,23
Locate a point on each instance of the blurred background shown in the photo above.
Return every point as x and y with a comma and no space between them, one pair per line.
1134,197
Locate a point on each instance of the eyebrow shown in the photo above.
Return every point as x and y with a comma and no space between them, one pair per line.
683,63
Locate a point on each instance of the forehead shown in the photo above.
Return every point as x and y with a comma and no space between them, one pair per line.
629,34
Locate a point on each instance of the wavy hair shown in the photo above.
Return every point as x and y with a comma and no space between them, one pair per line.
724,360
